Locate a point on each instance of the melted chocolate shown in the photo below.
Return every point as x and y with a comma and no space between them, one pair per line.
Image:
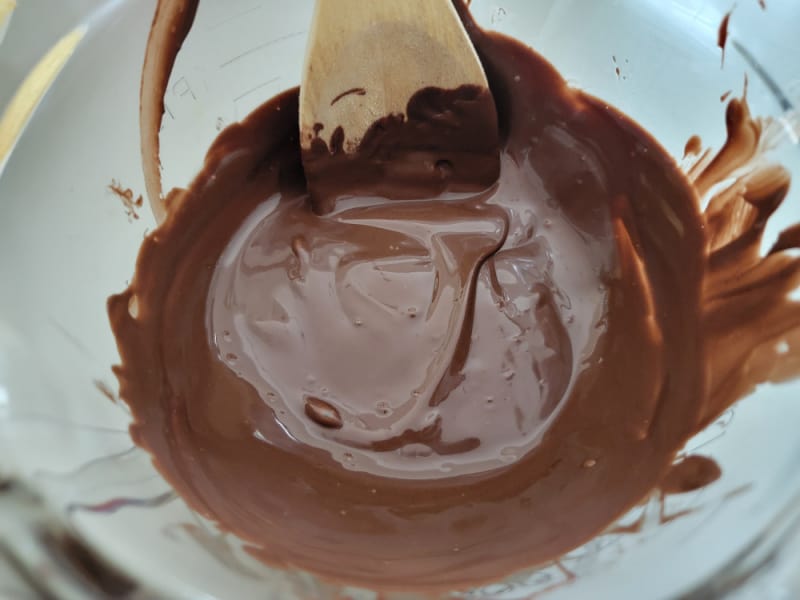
435,393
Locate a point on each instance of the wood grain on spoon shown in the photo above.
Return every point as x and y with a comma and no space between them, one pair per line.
366,61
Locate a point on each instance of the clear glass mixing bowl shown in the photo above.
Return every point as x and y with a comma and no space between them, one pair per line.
66,244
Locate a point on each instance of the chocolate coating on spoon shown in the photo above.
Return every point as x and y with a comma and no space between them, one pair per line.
445,141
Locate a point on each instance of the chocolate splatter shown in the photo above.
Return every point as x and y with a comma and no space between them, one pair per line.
350,92
722,34
693,146
130,203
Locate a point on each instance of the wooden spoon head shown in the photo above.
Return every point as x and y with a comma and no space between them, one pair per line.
395,103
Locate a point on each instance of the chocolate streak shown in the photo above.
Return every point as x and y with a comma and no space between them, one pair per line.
171,24
722,34
437,393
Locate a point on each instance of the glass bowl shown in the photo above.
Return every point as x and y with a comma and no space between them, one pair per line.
67,242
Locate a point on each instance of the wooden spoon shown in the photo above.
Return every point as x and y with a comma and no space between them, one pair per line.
366,60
